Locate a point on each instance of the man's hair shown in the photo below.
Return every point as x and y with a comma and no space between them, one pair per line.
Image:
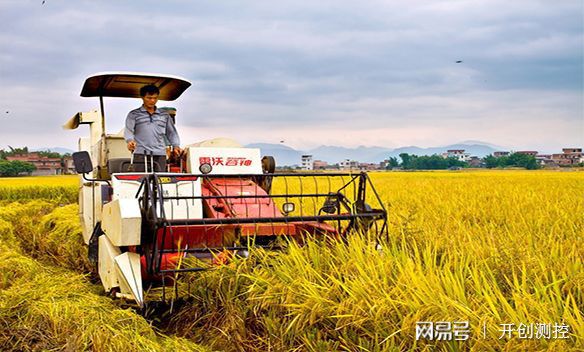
149,89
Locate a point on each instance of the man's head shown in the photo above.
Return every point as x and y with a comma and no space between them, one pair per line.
149,94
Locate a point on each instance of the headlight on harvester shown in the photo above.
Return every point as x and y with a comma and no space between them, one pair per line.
205,168
287,208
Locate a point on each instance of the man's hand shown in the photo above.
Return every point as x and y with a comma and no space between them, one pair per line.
176,151
132,146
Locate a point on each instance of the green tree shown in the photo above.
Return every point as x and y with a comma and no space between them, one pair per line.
14,151
429,162
491,162
503,161
392,162
15,168
523,160
407,160
516,159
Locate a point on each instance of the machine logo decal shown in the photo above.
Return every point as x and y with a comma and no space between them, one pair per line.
229,161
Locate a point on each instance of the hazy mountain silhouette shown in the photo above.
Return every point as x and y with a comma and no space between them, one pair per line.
332,154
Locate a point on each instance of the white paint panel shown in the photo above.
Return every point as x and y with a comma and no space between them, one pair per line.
122,222
227,161
129,275
183,208
174,209
107,252
124,189
87,200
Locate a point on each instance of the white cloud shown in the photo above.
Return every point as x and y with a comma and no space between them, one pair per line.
334,72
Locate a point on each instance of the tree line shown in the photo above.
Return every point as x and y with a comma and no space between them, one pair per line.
513,160
437,162
424,162
16,167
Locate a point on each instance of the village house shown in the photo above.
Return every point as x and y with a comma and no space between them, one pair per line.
569,156
368,166
319,165
475,161
458,154
68,165
44,165
307,162
544,159
500,154
349,165
527,152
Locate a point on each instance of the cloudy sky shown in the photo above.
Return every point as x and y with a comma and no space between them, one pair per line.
333,72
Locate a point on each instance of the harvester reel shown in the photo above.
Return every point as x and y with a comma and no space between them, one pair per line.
364,224
331,204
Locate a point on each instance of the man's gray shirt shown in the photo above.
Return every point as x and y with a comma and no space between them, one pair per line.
149,130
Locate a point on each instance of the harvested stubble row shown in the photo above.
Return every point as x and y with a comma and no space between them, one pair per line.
49,307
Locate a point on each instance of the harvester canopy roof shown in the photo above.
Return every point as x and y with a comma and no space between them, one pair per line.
128,84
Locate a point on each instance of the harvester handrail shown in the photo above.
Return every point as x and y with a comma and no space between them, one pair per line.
287,174
283,219
255,196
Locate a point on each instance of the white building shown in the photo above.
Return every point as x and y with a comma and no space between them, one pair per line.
457,153
349,165
307,162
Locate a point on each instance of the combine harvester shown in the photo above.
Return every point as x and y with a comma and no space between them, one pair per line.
215,200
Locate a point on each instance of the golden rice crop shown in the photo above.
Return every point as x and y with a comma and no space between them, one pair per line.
490,248
59,188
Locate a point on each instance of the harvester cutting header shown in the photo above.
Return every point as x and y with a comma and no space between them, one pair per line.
214,197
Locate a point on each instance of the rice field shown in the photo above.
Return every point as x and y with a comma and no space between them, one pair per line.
496,256
59,188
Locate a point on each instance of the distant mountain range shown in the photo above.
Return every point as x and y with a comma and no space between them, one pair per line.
285,155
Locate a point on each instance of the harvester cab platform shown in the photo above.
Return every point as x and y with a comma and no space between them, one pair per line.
216,198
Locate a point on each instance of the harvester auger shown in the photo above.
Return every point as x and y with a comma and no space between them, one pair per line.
217,198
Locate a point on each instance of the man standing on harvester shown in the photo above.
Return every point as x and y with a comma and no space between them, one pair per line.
146,128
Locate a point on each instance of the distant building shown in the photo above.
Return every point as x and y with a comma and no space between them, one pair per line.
457,154
544,159
569,156
44,165
475,161
68,165
319,165
307,162
527,152
500,154
368,166
349,165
